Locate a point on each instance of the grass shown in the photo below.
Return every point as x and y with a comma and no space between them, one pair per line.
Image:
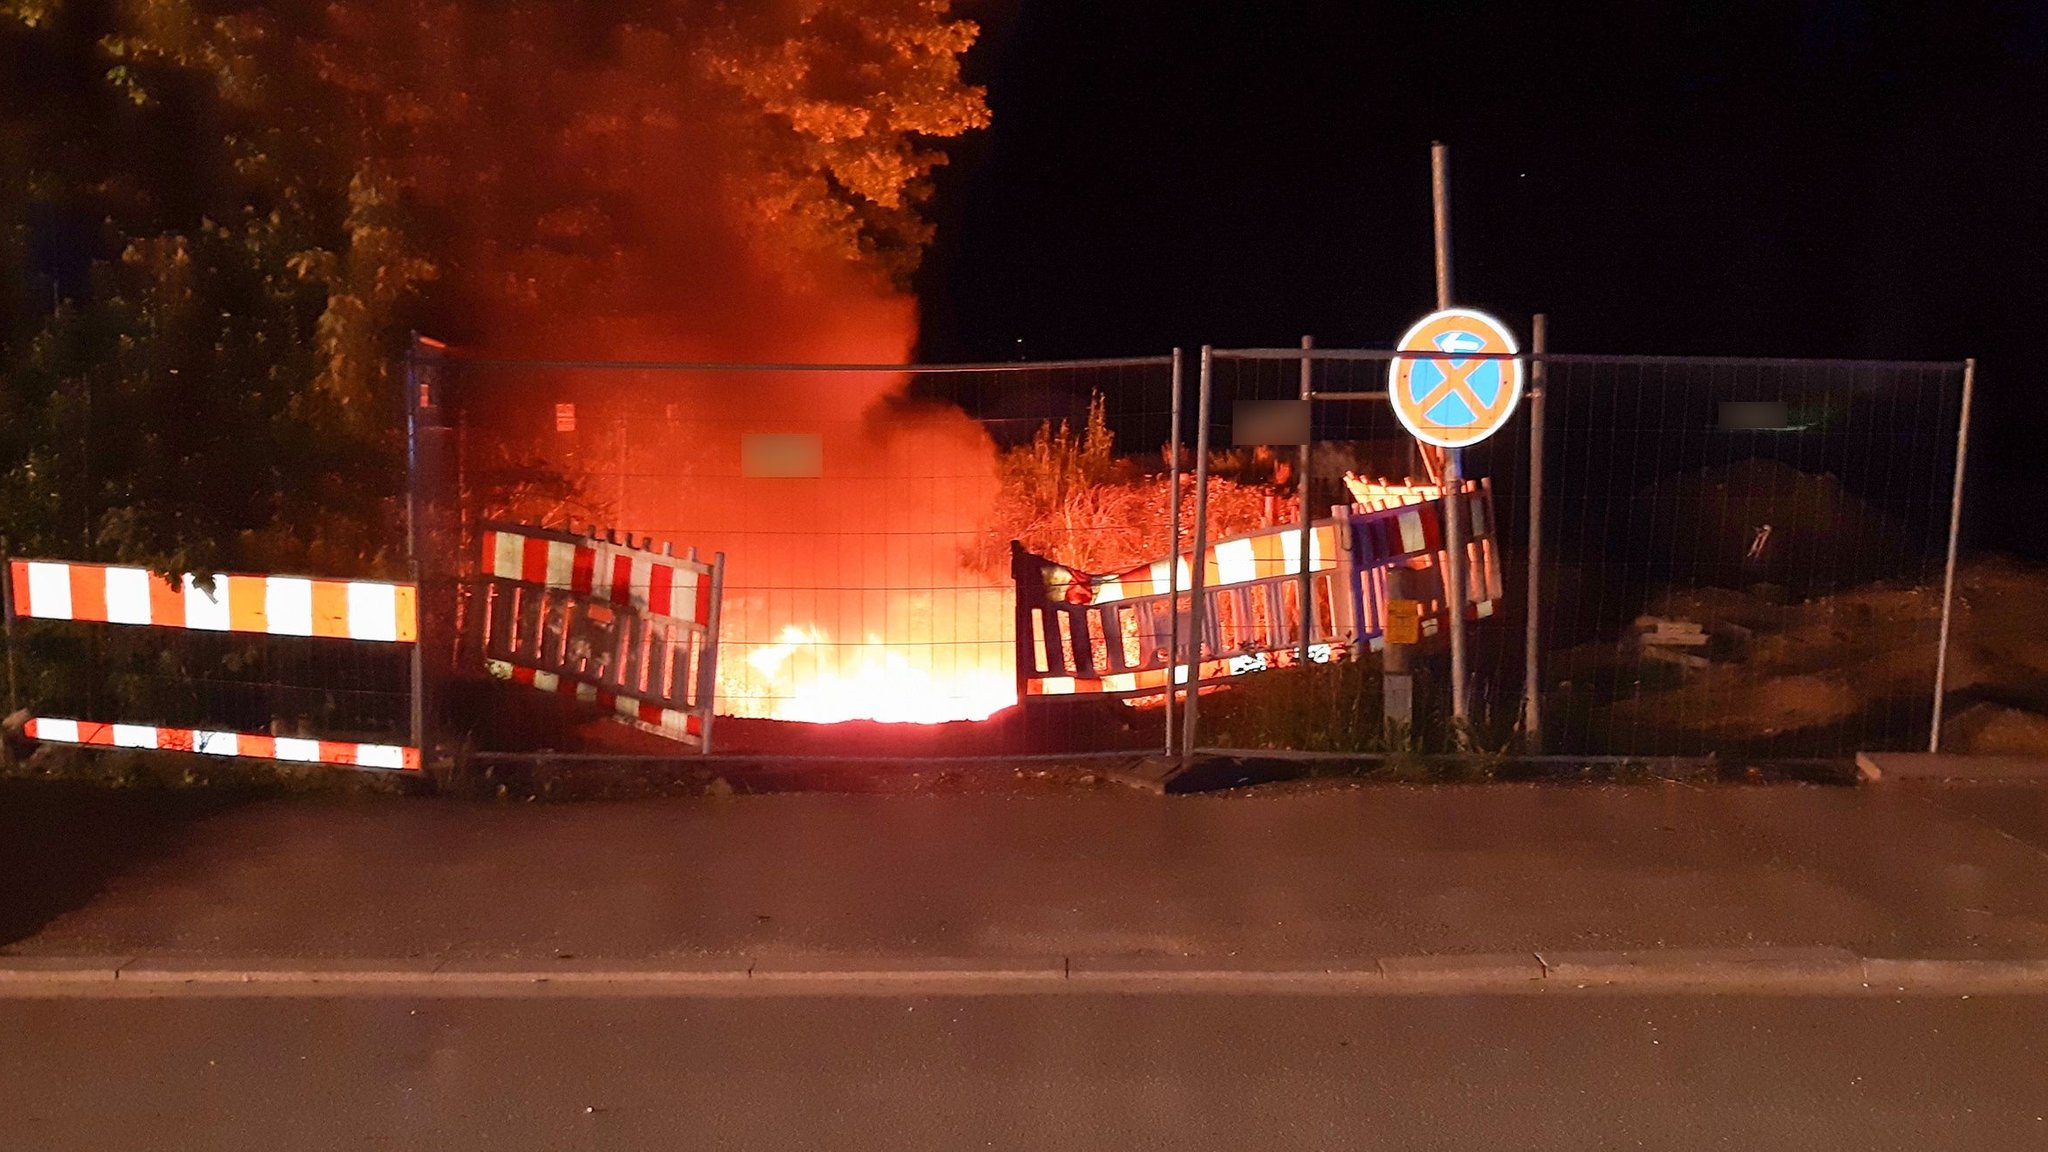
1338,708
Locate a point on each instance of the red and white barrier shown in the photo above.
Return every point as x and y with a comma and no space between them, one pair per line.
350,754
635,577
271,605
639,713
1081,634
1075,637
619,626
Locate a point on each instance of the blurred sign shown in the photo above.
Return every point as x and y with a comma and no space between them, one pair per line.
1466,389
565,417
1404,621
782,455
1259,422
1755,416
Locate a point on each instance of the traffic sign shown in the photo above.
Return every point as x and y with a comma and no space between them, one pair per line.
1448,401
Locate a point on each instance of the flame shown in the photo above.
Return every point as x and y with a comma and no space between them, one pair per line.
804,676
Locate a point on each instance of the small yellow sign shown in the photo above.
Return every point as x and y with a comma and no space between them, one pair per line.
1404,621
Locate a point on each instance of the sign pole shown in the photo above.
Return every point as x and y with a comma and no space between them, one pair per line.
1454,471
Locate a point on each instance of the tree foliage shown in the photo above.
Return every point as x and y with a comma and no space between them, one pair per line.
241,208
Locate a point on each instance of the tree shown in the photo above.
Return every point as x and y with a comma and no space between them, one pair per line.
271,195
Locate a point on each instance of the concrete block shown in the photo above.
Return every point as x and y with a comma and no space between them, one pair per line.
1872,767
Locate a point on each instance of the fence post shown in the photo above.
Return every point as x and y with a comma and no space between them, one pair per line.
7,627
1172,555
1198,576
1948,578
707,669
414,506
1532,670
1306,595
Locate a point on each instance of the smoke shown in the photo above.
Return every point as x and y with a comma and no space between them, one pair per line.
704,187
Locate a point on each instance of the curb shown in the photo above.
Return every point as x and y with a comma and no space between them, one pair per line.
1818,970
1945,767
1744,967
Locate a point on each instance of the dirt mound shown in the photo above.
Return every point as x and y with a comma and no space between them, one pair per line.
1855,665
1991,730
1765,522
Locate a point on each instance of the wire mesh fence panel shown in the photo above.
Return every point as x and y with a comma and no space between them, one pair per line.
1747,555
272,667
1360,460
865,515
1741,557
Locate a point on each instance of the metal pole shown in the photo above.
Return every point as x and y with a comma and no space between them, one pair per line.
413,508
1532,672
1454,583
1948,578
1454,465
7,627
707,668
1307,596
1173,552
1440,198
1199,576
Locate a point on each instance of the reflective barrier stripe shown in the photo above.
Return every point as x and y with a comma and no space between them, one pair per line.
272,605
637,713
1079,634
635,577
388,757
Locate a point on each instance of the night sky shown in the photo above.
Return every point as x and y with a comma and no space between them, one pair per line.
1821,178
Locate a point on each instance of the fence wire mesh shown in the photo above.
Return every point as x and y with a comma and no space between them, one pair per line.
1741,557
331,690
865,513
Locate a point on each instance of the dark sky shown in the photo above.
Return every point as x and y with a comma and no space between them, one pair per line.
1798,177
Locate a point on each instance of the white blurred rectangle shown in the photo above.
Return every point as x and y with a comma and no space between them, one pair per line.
782,455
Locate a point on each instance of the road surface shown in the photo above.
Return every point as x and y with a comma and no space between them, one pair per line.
1072,1072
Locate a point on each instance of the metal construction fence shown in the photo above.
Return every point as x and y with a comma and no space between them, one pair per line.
865,513
266,667
1737,556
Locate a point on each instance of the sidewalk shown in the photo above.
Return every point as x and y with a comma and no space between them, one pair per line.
1334,878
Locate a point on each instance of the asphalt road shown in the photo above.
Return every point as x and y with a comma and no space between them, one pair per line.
1071,1072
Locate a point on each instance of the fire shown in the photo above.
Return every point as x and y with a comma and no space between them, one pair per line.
804,676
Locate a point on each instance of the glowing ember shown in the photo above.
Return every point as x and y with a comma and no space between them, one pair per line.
806,677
